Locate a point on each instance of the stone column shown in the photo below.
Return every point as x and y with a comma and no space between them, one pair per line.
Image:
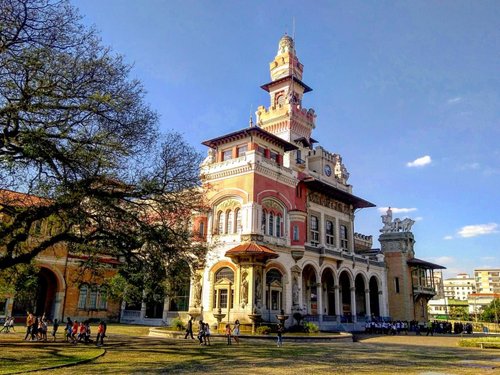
381,304
353,304
367,303
319,296
337,302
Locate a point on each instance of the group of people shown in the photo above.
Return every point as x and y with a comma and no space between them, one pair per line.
403,327
80,332
8,325
231,333
37,327
204,332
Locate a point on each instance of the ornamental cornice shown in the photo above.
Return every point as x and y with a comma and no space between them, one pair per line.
275,175
228,173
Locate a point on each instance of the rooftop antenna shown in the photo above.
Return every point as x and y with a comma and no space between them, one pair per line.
293,28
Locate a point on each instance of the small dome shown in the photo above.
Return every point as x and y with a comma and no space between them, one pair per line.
286,44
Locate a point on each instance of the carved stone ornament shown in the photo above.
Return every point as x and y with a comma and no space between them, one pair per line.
396,225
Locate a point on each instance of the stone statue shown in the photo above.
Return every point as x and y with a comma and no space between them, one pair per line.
295,291
396,225
210,157
258,288
197,291
244,289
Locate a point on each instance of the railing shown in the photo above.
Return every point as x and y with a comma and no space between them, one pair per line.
424,289
131,313
311,318
329,318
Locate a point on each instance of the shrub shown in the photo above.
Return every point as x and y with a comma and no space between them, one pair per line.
310,327
263,330
177,324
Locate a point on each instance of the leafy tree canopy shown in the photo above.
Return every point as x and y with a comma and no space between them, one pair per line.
79,141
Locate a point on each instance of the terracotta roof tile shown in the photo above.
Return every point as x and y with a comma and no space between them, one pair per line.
251,248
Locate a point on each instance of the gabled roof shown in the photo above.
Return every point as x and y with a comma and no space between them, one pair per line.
267,86
424,264
253,249
343,196
247,132
15,199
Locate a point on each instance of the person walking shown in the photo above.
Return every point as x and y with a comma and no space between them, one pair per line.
280,335
236,331
228,333
55,327
189,329
201,331
30,320
101,331
207,334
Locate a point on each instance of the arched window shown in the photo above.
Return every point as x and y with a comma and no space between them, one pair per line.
82,298
264,222
93,298
224,273
224,289
220,222
330,237
237,227
314,230
274,289
103,298
229,221
278,226
271,224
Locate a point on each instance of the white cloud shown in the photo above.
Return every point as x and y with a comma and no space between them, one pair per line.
420,162
444,260
396,210
487,259
447,237
418,218
457,99
477,230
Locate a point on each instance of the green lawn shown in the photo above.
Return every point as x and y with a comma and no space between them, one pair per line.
129,351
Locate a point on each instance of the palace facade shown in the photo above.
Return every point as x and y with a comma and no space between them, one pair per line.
281,228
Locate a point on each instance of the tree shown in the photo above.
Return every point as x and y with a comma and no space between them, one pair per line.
491,312
81,144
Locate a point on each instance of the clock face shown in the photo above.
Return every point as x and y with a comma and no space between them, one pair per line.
328,170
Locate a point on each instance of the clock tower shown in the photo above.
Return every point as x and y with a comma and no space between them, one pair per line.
285,116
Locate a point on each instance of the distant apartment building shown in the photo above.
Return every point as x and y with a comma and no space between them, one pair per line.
487,280
459,287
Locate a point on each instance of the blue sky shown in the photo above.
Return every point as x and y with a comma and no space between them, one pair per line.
408,92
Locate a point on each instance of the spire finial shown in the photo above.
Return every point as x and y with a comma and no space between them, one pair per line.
250,123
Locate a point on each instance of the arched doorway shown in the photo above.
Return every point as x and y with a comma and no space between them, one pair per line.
345,295
328,287
37,294
374,297
359,284
310,290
